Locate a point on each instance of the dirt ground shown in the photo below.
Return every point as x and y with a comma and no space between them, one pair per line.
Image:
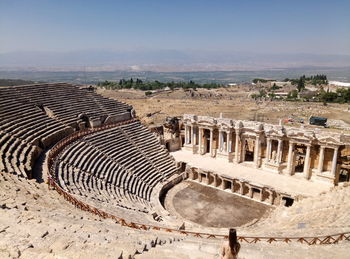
232,102
210,207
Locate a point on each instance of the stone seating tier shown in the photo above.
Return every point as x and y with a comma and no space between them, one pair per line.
326,213
85,233
34,117
115,169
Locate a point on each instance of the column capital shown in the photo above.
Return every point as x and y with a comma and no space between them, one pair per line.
292,141
322,147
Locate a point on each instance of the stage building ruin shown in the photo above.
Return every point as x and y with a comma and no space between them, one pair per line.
311,153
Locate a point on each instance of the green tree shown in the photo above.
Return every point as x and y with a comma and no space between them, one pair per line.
301,84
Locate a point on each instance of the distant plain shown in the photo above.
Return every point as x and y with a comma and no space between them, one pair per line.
234,76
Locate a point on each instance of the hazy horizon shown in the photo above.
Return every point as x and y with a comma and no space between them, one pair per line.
164,61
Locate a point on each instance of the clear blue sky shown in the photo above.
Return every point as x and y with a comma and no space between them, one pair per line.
280,26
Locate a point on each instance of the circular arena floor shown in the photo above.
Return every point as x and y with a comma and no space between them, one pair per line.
211,207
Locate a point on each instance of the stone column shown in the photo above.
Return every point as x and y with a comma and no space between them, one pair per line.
225,144
271,197
321,159
262,194
193,138
221,140
215,176
207,179
211,142
241,191
222,184
191,135
237,147
257,151
186,134
279,151
250,192
229,141
200,139
290,163
334,161
307,162
268,150
243,150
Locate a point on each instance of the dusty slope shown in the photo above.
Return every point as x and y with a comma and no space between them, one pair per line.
38,223
233,103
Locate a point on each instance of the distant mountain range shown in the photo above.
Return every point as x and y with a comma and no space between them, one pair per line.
162,60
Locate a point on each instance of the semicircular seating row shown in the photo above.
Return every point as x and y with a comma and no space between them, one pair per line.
115,169
26,128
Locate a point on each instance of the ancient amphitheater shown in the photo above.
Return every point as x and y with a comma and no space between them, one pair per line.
81,176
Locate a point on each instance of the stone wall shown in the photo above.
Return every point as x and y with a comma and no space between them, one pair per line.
241,187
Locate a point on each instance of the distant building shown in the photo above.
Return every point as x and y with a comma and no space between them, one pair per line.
337,83
281,94
281,84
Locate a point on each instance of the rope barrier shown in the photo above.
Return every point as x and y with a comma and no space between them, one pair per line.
317,240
